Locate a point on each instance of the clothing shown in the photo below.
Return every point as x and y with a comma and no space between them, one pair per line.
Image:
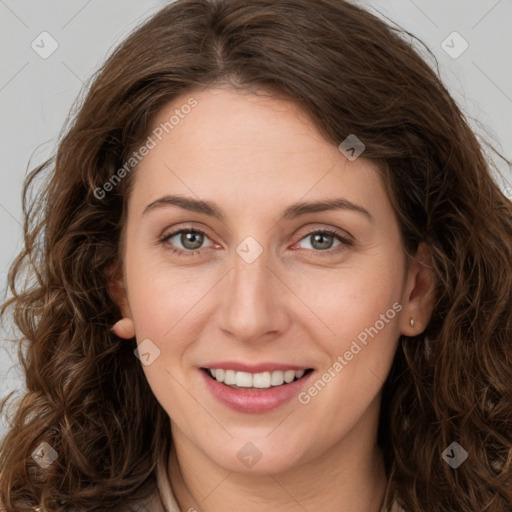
165,493
163,499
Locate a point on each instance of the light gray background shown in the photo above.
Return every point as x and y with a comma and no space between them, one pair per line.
36,93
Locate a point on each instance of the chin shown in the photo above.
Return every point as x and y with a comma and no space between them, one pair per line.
258,457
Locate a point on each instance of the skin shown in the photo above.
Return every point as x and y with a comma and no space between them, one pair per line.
300,302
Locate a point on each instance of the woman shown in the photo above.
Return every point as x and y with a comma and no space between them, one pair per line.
273,273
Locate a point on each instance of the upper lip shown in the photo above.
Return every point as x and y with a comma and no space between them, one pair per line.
253,368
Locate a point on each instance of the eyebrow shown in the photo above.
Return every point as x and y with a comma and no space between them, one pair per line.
291,212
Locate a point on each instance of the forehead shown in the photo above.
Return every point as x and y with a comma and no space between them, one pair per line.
262,147
241,122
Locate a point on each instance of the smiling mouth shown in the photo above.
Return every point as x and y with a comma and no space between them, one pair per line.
262,381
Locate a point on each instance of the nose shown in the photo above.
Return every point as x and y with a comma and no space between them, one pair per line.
253,301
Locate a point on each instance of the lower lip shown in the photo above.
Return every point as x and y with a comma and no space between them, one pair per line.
254,401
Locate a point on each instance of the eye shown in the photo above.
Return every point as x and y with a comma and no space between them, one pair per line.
190,239
321,241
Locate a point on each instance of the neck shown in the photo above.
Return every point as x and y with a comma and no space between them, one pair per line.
348,477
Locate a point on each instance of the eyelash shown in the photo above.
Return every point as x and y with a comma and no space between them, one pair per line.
329,252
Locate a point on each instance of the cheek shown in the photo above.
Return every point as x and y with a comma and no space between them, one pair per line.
348,300
166,305
359,308
163,298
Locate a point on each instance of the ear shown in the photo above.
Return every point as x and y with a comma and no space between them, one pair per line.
418,297
124,327
117,289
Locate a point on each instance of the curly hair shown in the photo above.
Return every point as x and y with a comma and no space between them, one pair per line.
87,395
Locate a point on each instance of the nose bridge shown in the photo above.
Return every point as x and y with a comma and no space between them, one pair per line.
250,305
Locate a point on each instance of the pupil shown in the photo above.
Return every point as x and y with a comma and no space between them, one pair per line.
186,238
320,236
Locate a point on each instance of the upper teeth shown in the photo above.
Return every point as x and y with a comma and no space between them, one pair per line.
255,380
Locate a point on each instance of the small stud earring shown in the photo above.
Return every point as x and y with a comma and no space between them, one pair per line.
411,321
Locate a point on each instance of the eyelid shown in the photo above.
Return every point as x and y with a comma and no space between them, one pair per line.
169,233
343,234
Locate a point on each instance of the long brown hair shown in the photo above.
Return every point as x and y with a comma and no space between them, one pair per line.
87,395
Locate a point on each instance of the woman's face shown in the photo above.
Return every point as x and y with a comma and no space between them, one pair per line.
266,283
